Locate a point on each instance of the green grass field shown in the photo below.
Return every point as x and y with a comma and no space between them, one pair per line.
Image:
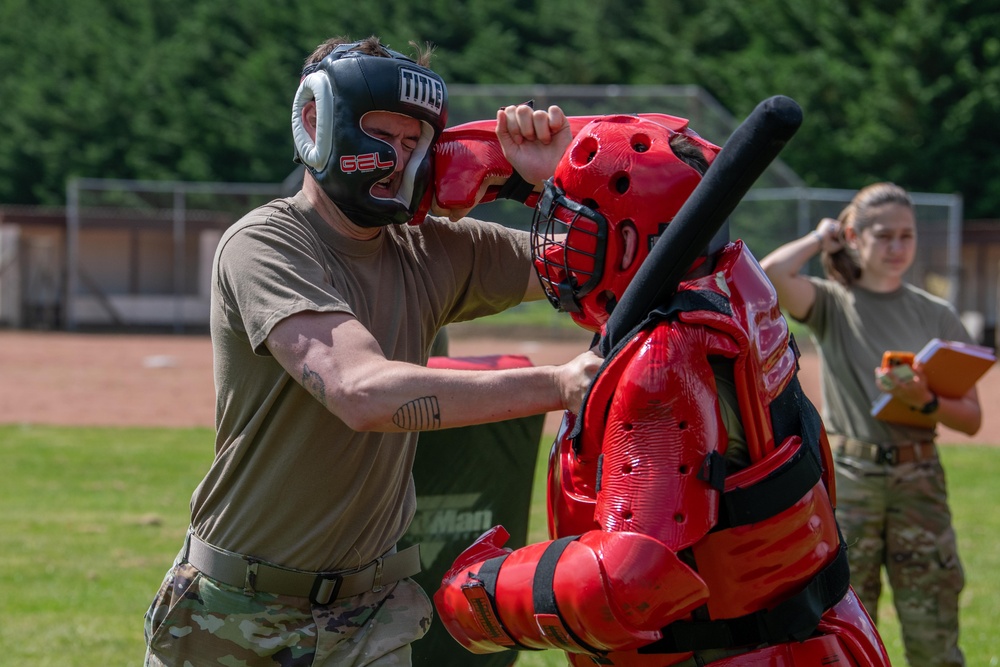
91,518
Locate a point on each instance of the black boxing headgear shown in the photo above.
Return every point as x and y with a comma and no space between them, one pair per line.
347,162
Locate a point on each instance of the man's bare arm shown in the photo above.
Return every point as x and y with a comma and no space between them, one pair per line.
339,362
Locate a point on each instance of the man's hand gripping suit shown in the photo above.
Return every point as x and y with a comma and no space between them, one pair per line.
661,553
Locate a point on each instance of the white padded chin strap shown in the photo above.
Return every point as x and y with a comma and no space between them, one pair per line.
315,154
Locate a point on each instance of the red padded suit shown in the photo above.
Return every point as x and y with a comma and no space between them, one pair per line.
661,551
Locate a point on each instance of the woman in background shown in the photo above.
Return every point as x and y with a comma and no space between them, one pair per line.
891,491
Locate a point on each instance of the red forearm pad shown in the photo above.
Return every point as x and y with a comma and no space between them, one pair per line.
468,614
613,591
465,156
616,590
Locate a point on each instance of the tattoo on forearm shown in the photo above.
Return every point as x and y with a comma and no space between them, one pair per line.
314,384
422,414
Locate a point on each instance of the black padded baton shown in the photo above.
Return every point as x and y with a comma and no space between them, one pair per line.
743,158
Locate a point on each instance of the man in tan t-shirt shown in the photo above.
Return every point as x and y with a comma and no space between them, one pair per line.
324,308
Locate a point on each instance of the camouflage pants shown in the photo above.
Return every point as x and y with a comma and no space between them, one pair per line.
897,517
195,621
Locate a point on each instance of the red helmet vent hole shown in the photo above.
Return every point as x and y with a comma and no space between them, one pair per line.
584,151
621,182
641,143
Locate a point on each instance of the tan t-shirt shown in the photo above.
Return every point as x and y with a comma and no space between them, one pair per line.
291,484
852,328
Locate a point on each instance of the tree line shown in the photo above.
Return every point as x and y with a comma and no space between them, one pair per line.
901,90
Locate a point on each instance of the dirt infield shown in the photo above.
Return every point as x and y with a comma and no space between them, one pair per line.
164,380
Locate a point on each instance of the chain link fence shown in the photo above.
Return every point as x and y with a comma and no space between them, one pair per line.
138,253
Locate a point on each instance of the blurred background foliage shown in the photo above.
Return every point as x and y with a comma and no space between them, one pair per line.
904,90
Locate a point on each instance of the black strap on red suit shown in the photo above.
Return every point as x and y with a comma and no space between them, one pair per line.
795,619
791,414
543,592
516,188
488,573
772,495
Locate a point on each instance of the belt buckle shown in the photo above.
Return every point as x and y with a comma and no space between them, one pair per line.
325,588
377,586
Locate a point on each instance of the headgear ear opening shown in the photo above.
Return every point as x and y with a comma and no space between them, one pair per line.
346,161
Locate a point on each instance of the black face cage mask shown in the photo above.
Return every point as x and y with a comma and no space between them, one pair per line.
552,257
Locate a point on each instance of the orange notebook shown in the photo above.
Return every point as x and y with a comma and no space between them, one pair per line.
952,368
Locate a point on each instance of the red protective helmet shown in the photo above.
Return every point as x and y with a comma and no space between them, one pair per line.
616,188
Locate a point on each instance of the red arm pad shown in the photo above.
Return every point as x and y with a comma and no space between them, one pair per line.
466,155
613,591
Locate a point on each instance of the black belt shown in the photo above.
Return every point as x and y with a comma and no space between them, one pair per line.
902,452
321,588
